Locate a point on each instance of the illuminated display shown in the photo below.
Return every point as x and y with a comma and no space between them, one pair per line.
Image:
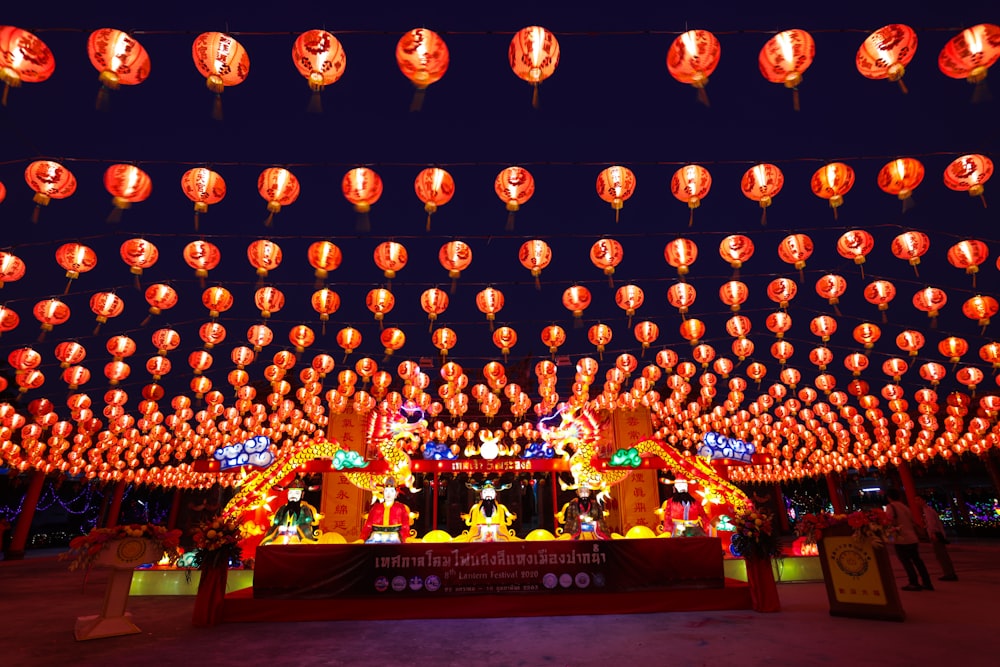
718,446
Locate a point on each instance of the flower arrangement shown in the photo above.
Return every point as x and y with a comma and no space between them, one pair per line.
217,542
84,549
753,535
871,525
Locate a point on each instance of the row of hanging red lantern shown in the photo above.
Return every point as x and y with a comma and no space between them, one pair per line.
434,186
533,55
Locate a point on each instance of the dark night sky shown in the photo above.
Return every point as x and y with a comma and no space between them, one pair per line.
610,101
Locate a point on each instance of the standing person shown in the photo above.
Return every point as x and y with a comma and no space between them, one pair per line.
935,530
907,543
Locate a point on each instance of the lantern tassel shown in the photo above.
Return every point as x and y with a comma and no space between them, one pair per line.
510,222
196,221
534,97
34,214
982,198
363,223
611,281
902,86
417,103
703,96
146,321
795,99
115,216
577,322
3,100
933,323
862,267
885,317
68,283
428,222
138,285
269,219
763,217
97,329
217,108
691,219
834,212
103,99
908,204
454,284
981,93
538,284
322,329
836,310
315,103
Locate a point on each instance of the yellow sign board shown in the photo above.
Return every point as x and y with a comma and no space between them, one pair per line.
854,571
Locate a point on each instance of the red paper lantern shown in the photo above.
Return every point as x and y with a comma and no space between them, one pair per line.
362,187
606,254
390,257
968,255
74,258
165,340
434,187
264,256
681,296
969,54
23,58
692,58
911,246
222,61
127,185
760,184
202,256
533,56
444,339
980,308
795,249
260,336
930,300
599,336
681,253
646,333
269,300
880,293
120,347
553,336
505,338
434,301
778,323
325,302
832,182
968,174
615,185
51,312
320,58
855,244
455,257
422,56
576,299
217,299
535,255
733,294
380,301
910,341
204,187
738,326
823,326
690,184
139,254
24,359
785,57
279,187
106,305
990,353
954,348
629,298
301,337
831,287
900,177
211,333
69,353
120,59
781,291
324,257
50,180
736,249
348,339
490,302
692,330
867,334
886,52
514,186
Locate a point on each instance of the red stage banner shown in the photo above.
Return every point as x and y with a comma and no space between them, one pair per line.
444,569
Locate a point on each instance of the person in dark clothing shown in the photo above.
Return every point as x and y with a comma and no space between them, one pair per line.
907,544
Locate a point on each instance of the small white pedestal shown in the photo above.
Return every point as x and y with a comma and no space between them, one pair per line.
123,556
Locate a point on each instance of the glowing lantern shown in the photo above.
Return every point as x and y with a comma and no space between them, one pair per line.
260,336
968,255
831,182
760,184
50,180
738,326
690,184
505,338
422,57
856,363
380,301
325,302
490,302
348,339
362,187
606,254
120,59
390,257
734,293
615,185
980,308
160,297
778,323
434,301
831,287
886,52
127,185
911,246
434,187
202,256
646,333
910,341
24,359
535,255
781,291
217,299
320,58
51,312
933,372
139,254
900,177
969,54
301,337
692,330
880,293
785,57
514,186
211,334
782,351
970,377
222,61
867,334
895,368
553,336
823,326
968,174
795,249
165,340
279,187
954,348
629,298
69,353
444,339
681,296
204,187
756,372
736,249
264,256
855,244
533,56
392,339
455,257
930,300
23,58
74,376
106,305
576,299
681,253
268,300
692,58
990,353
74,258
599,336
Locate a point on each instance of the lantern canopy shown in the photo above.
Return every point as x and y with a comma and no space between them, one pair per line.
320,58
692,58
533,56
886,52
23,58
222,61
423,58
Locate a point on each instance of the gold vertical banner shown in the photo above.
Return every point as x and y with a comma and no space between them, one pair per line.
636,498
344,505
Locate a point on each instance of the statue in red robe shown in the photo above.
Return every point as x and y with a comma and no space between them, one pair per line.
388,521
683,514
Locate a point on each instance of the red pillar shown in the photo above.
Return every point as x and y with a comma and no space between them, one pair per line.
836,493
910,489
19,539
779,499
116,504
175,508
991,468
434,488
555,499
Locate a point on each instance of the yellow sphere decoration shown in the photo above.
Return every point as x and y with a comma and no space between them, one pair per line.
539,535
437,536
636,532
332,538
